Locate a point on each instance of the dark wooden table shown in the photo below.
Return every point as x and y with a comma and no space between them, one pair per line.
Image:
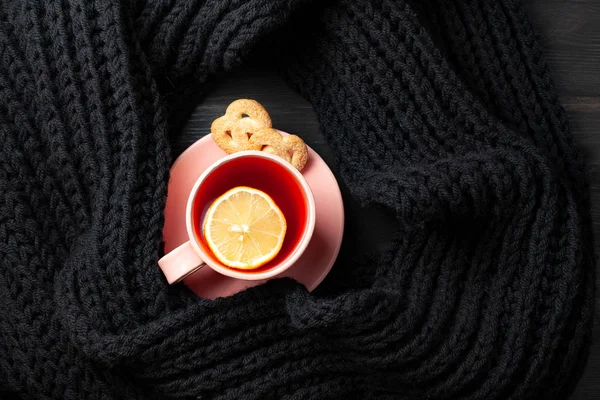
569,31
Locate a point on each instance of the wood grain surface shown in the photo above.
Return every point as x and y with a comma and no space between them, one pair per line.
569,31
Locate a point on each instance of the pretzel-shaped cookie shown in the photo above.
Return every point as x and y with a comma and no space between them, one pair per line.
232,131
291,148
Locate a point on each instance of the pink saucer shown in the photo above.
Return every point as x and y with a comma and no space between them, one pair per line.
318,258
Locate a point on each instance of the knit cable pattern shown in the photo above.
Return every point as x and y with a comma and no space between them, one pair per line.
440,112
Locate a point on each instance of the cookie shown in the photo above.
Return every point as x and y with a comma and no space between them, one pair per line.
291,148
232,131
246,125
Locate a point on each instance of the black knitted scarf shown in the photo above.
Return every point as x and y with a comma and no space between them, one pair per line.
442,113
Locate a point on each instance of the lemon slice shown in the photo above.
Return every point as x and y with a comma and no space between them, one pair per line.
244,228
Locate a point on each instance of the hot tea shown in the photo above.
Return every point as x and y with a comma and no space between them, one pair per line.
262,174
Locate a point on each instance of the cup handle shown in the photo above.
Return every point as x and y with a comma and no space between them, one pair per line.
180,263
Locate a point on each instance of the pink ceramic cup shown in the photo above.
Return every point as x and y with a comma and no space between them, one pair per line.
223,175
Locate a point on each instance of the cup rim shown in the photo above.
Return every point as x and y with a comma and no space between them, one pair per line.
302,244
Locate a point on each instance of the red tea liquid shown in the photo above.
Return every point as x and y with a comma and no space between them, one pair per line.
262,174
